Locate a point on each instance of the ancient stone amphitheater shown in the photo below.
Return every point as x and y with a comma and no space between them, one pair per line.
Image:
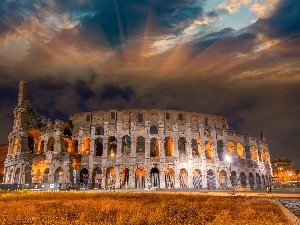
132,148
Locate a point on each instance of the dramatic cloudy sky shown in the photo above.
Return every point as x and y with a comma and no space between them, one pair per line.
234,58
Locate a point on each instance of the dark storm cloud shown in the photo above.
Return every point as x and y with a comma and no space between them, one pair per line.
284,22
111,92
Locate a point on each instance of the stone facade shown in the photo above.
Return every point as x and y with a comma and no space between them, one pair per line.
3,154
133,148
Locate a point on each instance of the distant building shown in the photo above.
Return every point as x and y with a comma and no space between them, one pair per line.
3,154
283,171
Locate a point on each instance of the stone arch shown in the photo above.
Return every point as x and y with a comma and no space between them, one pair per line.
211,181
37,176
99,130
209,150
230,147
110,177
153,129
234,179
254,153
67,132
42,146
86,145
196,146
30,143
220,150
223,179
84,177
183,178
17,176
124,178
98,147
126,144
58,175
182,146
169,146
258,180
247,152
33,137
197,178
154,147
97,177
140,175
68,144
15,146
240,150
264,156
251,180
263,182
154,177
170,178
243,179
140,144
46,175
112,146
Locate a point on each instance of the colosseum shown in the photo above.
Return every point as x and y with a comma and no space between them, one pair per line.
132,148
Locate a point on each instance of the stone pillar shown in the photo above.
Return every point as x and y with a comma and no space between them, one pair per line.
119,151
190,178
133,147
131,177
177,176
162,179
117,184
103,182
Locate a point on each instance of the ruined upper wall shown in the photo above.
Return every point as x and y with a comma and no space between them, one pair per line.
154,116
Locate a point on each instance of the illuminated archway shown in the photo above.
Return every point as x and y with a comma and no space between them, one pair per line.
209,149
170,178
110,177
86,145
124,177
154,178
183,178
140,175
223,179
230,147
58,175
243,179
240,150
169,146
197,179
112,146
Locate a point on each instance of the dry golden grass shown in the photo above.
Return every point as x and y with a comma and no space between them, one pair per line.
25,207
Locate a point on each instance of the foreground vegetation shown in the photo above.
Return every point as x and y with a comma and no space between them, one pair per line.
24,207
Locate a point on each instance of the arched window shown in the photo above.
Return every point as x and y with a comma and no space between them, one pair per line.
98,147
99,130
169,146
154,147
86,145
230,146
153,130
240,150
126,143
112,146
181,146
140,144
220,150
196,146
209,150
67,132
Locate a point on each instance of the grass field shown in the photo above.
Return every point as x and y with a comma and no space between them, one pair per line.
25,207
